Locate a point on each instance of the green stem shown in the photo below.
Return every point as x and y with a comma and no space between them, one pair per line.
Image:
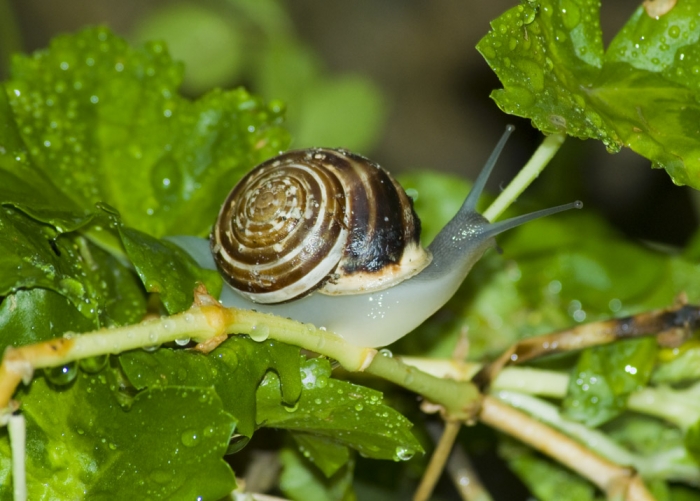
17,429
209,320
459,399
526,176
680,407
541,382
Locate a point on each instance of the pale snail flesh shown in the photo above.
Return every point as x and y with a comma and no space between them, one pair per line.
370,300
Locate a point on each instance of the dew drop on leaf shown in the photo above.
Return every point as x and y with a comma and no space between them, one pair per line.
403,454
62,375
92,365
292,408
189,438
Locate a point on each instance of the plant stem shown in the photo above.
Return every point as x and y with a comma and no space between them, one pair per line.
672,464
437,461
614,480
680,407
207,320
460,399
526,176
18,435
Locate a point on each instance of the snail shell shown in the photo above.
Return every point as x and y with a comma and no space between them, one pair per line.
378,283
316,220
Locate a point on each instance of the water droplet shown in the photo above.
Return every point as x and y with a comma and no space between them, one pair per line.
293,408
674,31
94,364
615,305
571,14
62,375
403,454
182,341
358,407
386,353
259,332
189,438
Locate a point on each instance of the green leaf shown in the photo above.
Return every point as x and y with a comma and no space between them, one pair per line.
678,365
104,123
26,187
547,480
82,445
234,369
166,269
290,71
354,98
34,255
32,316
324,453
641,93
436,198
605,376
692,441
300,480
186,28
342,412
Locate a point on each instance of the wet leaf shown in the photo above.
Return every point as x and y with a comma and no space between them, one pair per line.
32,316
342,412
301,480
168,445
96,283
641,93
103,122
605,376
164,268
328,455
234,369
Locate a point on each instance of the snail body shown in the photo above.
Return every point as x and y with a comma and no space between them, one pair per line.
360,272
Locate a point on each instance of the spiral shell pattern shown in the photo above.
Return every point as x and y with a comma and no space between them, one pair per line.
316,219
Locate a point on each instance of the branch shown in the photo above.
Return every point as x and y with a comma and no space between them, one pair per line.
664,322
207,320
611,478
446,439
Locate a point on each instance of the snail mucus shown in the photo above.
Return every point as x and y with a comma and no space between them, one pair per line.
327,237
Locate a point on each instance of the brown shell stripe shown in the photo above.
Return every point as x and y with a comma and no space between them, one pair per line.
278,233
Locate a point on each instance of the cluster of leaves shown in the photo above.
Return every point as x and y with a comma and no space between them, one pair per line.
100,157
640,93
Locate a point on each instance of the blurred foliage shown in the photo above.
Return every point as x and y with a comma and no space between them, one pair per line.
10,39
254,43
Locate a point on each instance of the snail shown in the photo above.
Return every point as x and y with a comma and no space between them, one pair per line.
328,237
